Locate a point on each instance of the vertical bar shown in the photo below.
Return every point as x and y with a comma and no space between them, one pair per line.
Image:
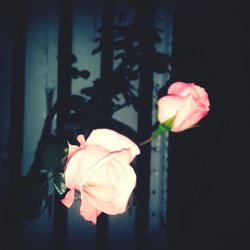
146,21
64,60
16,124
106,76
107,41
59,239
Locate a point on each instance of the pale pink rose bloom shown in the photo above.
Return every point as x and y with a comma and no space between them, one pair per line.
99,169
187,102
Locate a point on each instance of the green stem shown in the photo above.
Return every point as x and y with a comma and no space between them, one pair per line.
154,136
160,129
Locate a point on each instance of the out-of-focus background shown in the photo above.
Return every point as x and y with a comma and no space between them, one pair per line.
68,67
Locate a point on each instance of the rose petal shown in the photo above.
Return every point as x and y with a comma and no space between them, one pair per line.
81,140
189,114
168,107
186,110
88,211
96,160
101,198
103,182
178,88
184,89
73,169
124,156
92,157
69,198
112,141
72,149
79,164
198,113
125,190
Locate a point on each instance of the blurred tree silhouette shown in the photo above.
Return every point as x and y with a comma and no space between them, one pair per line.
93,107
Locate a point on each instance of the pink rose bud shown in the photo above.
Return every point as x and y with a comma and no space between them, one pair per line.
99,169
184,106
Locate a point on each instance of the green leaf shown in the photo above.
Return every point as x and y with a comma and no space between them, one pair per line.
52,156
59,183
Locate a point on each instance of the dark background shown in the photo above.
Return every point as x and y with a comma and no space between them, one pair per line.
209,166
209,176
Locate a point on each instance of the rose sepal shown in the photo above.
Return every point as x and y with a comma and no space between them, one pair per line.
167,125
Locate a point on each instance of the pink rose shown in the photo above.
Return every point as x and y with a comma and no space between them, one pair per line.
99,169
186,104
